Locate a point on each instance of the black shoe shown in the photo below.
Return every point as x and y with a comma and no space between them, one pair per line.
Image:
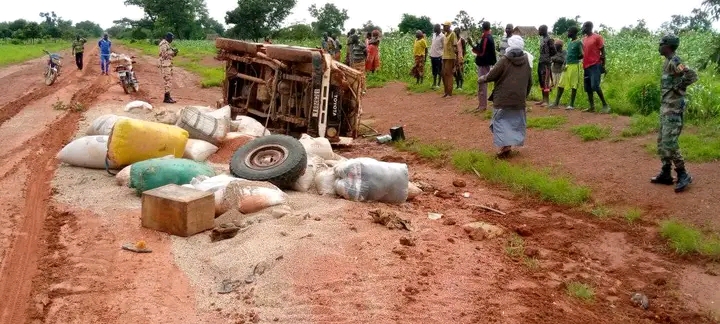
683,180
168,99
664,177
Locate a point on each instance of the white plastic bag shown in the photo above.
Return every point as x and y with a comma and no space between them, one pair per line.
306,181
138,104
198,150
203,126
249,126
318,146
87,152
366,179
325,182
251,196
103,125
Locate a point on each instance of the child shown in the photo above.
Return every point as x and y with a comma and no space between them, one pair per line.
571,76
674,82
558,62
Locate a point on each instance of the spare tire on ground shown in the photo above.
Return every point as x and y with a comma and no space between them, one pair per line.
278,159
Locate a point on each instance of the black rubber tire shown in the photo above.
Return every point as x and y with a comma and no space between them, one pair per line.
284,174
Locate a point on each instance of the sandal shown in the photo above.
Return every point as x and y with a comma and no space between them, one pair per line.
138,247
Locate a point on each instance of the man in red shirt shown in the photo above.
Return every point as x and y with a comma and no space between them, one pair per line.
594,65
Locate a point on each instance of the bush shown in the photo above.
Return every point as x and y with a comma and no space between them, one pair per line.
644,95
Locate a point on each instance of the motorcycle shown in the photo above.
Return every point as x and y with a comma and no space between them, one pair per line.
125,72
52,71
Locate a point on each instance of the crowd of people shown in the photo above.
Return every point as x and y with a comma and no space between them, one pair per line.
581,64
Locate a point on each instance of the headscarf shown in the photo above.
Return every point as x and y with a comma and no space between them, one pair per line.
515,41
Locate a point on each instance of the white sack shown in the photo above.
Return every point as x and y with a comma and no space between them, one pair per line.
325,182
138,104
366,179
198,150
249,126
306,181
87,152
103,125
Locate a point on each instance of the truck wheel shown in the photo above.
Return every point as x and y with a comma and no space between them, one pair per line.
278,159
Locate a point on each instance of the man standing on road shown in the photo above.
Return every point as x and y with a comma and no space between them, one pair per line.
675,79
105,47
450,51
436,53
504,42
484,59
594,65
78,47
547,51
167,53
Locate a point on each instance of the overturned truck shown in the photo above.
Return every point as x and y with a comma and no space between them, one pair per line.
292,90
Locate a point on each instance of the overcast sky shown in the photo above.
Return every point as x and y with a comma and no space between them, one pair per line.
387,13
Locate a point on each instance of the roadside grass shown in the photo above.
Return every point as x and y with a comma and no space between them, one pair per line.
522,179
17,53
686,239
641,125
591,132
546,122
632,215
515,248
601,211
433,152
580,291
701,145
190,58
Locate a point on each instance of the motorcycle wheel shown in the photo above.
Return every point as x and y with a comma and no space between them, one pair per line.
126,87
50,77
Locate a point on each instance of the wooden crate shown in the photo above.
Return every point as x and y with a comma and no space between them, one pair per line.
178,210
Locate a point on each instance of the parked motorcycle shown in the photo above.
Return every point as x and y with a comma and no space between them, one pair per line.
52,71
125,72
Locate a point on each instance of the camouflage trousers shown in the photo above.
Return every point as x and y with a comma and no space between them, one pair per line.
671,126
167,73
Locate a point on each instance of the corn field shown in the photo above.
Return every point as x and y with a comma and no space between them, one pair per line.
631,85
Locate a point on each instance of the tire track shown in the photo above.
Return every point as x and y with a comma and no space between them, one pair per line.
20,263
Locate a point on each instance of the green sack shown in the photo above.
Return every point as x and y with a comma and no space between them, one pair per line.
155,173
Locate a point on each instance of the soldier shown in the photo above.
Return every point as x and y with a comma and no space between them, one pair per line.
675,80
166,55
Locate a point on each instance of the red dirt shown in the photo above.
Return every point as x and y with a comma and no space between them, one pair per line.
228,148
60,264
619,172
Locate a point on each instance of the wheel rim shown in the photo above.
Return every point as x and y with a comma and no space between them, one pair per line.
266,157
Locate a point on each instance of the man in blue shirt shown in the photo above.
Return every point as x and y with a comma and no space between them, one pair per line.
104,45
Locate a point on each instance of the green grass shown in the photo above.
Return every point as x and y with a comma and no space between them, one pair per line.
641,125
632,215
515,248
426,151
685,238
547,122
702,145
522,179
12,53
601,211
591,132
581,291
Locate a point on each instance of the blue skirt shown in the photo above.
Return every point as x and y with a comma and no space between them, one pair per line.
508,127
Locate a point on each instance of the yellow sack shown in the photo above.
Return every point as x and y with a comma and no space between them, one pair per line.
134,140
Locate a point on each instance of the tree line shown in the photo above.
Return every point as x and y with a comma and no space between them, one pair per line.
51,26
256,19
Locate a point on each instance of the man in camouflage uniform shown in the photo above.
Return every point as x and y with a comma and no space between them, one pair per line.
78,47
165,62
676,78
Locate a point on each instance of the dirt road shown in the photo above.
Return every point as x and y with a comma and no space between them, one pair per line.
60,260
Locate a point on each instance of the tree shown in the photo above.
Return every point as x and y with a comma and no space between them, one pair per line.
410,23
465,22
89,28
328,19
295,32
699,21
31,31
636,30
176,16
254,19
562,25
369,26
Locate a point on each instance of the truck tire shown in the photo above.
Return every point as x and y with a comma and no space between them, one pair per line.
278,159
